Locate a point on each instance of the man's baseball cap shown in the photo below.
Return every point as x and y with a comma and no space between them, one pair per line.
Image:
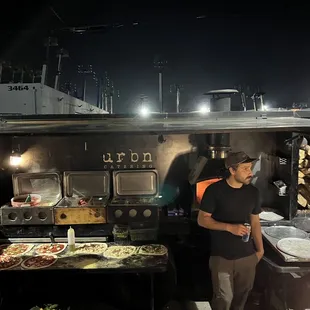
236,158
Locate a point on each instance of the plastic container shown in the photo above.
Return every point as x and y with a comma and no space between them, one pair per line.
144,234
120,234
19,201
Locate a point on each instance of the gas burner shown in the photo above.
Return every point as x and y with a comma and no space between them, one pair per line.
124,214
134,201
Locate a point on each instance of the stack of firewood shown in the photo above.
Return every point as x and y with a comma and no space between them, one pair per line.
304,177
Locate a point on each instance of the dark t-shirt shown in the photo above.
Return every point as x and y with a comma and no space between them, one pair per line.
234,206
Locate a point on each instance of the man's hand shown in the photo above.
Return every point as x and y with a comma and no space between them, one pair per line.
237,229
260,255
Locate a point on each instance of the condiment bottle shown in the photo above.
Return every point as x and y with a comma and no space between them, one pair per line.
71,239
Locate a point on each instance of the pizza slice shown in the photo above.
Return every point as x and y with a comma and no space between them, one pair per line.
9,262
153,249
51,248
39,262
119,252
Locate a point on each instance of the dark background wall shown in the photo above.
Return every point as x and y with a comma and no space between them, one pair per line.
172,155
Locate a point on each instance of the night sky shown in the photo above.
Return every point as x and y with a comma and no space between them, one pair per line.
265,46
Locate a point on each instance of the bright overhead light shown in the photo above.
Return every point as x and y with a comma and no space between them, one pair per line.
15,159
204,109
144,111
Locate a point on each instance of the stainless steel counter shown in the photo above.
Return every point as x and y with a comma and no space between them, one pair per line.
287,258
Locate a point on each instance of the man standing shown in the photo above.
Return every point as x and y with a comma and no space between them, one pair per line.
226,207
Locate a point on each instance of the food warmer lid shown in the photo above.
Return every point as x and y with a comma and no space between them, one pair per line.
135,183
86,183
47,184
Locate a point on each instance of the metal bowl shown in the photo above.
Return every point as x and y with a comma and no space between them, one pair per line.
280,232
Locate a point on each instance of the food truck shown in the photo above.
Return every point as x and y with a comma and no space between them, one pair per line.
104,208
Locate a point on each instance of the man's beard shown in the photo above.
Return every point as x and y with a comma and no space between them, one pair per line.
246,181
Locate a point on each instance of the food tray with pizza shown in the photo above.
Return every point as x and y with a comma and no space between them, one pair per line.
15,249
119,251
91,248
9,262
50,248
39,262
152,249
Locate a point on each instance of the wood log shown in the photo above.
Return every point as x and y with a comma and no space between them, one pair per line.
305,171
301,174
301,181
307,149
302,201
307,185
302,154
303,190
306,163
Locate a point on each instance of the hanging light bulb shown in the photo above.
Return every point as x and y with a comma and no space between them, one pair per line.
15,159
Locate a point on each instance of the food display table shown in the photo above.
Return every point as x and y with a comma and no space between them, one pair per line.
98,263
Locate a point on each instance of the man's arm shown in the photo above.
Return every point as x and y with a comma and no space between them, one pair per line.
207,207
205,220
257,235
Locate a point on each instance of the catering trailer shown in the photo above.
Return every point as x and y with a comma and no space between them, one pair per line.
130,188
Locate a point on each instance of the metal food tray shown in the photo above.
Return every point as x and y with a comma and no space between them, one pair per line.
46,184
281,232
69,202
127,183
86,183
287,258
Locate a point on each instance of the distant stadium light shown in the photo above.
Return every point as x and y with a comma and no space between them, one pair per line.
204,109
266,107
144,111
